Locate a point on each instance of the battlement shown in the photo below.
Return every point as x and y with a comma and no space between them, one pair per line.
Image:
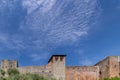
56,57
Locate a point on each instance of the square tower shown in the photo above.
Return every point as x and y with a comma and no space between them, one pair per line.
8,64
58,66
114,66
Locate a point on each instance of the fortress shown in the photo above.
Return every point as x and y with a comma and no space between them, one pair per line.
56,68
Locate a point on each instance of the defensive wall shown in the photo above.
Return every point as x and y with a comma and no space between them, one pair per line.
56,68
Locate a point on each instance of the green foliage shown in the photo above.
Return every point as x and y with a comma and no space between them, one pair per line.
53,79
2,72
106,79
115,78
32,77
3,78
13,72
26,77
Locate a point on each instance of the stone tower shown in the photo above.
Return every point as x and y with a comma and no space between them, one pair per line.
58,66
114,66
109,67
7,64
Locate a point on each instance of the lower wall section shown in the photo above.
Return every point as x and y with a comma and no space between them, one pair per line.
71,73
82,73
42,70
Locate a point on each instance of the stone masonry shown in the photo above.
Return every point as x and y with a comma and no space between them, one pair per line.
82,73
56,68
7,64
109,67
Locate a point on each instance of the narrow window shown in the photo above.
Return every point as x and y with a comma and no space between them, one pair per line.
56,58
100,72
61,58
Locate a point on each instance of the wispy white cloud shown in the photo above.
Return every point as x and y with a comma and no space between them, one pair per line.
3,38
37,57
11,43
118,7
47,23
86,62
42,5
64,22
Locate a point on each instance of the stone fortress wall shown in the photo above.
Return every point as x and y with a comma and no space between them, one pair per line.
56,68
82,73
109,67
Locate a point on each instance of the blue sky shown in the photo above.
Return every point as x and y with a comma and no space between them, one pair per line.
85,30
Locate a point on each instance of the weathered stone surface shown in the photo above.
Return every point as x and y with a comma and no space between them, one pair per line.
109,67
82,73
7,64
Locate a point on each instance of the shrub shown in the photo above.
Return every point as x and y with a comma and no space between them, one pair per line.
13,72
2,72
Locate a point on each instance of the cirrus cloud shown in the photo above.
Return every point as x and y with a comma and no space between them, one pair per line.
42,24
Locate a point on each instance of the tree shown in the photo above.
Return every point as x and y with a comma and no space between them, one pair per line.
13,72
2,73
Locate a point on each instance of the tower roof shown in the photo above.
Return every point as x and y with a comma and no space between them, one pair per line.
56,56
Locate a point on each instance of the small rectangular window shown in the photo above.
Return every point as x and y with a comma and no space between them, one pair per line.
56,58
61,58
100,72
